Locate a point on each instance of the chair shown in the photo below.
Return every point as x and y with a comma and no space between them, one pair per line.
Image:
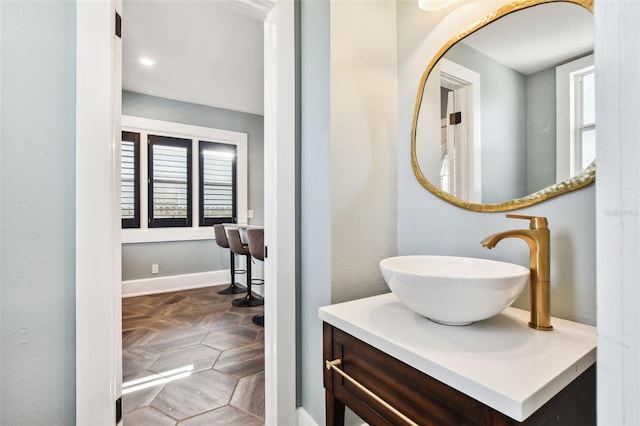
222,241
238,247
256,248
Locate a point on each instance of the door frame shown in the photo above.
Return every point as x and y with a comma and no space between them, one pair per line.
456,77
98,251
98,243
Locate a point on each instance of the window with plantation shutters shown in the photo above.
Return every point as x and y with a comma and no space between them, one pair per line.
217,183
130,180
178,180
169,181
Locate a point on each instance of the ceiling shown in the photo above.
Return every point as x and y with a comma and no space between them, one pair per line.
207,52
210,52
538,37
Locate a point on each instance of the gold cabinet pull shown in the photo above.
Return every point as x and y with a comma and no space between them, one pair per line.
335,365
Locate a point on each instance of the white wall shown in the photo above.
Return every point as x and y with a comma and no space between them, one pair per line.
429,225
618,211
363,145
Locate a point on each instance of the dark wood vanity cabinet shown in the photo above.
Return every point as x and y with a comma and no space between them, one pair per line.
427,401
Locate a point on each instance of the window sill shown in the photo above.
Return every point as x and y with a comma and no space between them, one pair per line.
157,235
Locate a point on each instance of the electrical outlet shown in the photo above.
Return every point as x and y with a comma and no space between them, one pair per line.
154,268
249,214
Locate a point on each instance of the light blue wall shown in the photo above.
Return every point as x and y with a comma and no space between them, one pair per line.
186,257
504,131
541,130
348,166
37,299
519,126
173,258
428,225
37,210
315,259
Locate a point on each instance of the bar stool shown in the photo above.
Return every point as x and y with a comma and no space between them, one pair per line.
221,240
256,248
237,247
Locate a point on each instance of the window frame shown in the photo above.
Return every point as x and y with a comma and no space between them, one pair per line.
146,126
566,116
208,221
579,125
161,140
134,222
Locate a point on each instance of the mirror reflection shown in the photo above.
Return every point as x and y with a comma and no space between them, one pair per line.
509,110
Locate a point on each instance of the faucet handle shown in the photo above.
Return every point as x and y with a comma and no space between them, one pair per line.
537,222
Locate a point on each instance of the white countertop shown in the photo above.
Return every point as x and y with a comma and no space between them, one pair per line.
501,362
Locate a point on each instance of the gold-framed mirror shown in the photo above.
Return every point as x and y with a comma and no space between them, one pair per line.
505,111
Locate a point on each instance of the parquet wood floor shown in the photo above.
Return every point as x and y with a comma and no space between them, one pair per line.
191,358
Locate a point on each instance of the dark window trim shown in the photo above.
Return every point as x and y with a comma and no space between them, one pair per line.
169,222
135,221
212,221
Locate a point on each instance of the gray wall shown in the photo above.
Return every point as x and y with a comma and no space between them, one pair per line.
315,169
428,225
541,130
519,126
37,300
504,132
37,210
173,258
186,257
348,165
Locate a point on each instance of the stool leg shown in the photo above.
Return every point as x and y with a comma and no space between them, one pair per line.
258,319
233,288
249,299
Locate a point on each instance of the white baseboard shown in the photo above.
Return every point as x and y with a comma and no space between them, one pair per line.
169,283
173,283
304,419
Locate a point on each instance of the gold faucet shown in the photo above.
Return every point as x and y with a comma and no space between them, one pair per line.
537,237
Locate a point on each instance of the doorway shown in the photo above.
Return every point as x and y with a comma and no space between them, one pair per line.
98,261
461,154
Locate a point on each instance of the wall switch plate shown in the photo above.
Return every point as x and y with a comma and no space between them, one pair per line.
154,268
249,214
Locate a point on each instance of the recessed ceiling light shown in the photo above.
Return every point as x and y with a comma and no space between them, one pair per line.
146,61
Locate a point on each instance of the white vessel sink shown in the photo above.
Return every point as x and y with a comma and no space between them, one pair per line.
454,290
